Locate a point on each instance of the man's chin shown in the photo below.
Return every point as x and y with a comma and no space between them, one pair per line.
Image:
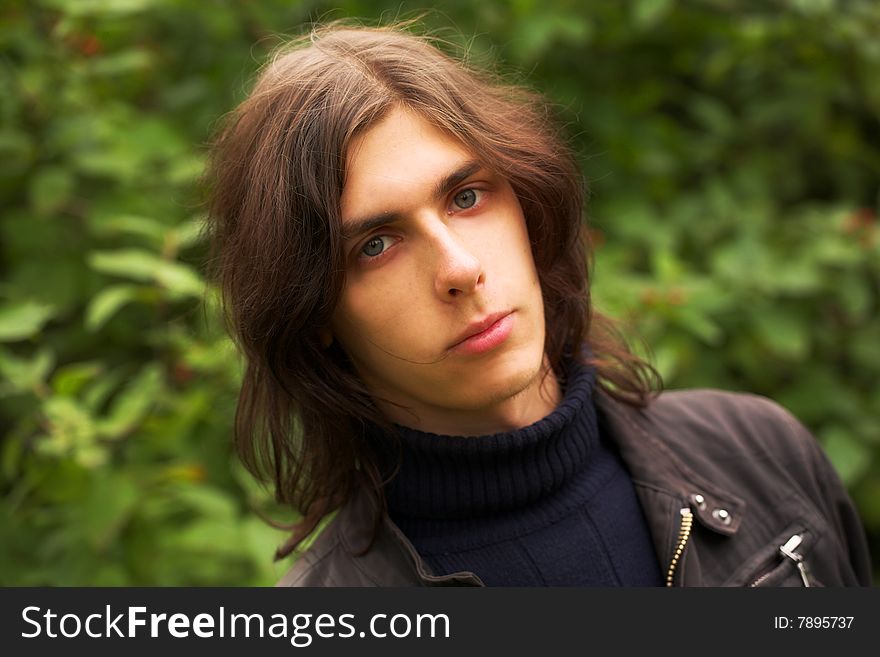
507,384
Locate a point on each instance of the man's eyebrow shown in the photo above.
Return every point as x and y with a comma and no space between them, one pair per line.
462,173
357,227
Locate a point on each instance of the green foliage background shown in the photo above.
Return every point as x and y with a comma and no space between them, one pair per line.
733,149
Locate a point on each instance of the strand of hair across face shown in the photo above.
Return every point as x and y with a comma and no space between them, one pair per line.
407,360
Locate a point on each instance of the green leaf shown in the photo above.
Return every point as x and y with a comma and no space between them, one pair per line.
135,264
699,324
129,224
129,62
867,497
856,296
649,12
133,403
107,303
208,537
26,375
11,452
668,268
851,458
142,265
100,8
16,153
60,480
50,189
97,392
208,501
260,541
185,170
179,279
70,379
19,321
794,278
813,6
784,333
544,30
108,506
71,429
666,361
188,233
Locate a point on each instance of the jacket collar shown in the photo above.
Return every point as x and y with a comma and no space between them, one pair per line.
389,554
643,439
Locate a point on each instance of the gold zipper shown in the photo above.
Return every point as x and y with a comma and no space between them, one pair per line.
684,533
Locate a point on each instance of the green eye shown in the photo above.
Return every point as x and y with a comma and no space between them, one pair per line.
465,199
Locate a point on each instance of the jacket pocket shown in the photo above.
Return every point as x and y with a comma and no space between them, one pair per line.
786,562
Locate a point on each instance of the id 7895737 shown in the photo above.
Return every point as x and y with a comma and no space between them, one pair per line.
812,622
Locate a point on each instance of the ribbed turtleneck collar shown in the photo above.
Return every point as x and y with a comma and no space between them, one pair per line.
457,477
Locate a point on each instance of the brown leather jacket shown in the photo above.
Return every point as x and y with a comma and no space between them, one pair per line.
736,493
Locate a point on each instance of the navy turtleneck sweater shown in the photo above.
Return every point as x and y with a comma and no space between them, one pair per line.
550,504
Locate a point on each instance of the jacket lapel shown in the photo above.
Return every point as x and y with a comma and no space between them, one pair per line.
666,485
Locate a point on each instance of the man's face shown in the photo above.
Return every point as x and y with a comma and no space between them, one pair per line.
442,311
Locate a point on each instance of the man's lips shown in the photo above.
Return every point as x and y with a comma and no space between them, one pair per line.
485,334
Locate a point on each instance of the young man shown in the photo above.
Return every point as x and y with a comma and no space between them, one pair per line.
400,246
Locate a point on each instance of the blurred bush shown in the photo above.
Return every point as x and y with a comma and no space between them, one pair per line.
733,149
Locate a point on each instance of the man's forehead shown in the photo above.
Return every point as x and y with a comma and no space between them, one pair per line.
402,144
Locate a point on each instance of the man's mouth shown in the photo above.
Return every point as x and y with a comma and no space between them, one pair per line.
485,334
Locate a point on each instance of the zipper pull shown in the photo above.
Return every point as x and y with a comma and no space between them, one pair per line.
788,551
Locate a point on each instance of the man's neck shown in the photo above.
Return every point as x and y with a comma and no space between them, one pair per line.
519,409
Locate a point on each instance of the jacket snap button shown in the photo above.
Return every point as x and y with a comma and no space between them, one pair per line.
722,515
699,500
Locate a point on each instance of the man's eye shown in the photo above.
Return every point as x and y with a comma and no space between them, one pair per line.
466,198
376,245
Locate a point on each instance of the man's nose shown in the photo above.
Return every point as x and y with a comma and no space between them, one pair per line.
458,269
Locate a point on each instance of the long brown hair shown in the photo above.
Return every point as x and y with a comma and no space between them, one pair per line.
275,180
